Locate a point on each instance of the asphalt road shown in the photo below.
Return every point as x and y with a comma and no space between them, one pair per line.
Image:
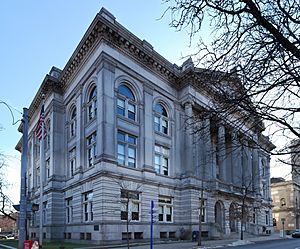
271,244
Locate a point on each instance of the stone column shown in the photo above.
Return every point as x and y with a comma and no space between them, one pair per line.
106,111
79,132
210,171
148,128
236,160
188,148
221,152
255,167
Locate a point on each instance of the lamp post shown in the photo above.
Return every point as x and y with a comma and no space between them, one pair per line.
23,200
243,211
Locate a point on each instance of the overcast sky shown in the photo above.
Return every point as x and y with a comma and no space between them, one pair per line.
36,35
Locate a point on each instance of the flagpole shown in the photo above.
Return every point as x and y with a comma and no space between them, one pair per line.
42,164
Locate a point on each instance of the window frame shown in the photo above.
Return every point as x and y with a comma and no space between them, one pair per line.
161,121
69,210
127,147
73,123
91,106
165,203
162,157
91,149
124,111
72,161
87,206
130,199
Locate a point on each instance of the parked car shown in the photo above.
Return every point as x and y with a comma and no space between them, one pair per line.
296,233
2,236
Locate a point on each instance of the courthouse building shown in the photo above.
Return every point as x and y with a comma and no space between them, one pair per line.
118,137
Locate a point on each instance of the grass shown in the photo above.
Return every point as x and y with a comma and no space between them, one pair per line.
47,245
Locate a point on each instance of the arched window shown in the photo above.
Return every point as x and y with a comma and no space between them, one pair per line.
73,122
161,122
126,103
282,202
92,104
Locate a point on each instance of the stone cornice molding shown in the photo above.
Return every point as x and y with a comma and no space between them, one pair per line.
50,84
105,28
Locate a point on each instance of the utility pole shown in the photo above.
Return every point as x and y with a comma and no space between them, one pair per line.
200,215
42,165
23,199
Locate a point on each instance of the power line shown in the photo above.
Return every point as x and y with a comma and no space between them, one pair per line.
11,112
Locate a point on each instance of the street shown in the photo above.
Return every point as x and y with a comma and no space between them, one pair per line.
271,244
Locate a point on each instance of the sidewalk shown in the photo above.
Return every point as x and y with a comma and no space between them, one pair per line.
233,241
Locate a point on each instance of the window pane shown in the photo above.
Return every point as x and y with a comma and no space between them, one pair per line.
73,115
165,151
131,108
121,136
121,149
131,152
121,159
131,115
169,217
121,103
157,148
157,159
125,91
131,139
161,217
93,94
135,207
121,107
131,162
121,111
123,215
135,216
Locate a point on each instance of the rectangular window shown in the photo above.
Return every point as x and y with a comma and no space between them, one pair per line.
131,111
165,209
130,205
44,212
91,149
121,107
161,160
157,123
38,177
267,217
126,149
72,161
203,213
48,168
92,109
88,206
69,210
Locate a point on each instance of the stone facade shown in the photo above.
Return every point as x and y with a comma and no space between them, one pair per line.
118,137
286,207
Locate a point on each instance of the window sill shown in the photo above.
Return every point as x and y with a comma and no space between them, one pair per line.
163,134
134,122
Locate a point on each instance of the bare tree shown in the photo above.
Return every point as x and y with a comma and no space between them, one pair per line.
5,203
252,62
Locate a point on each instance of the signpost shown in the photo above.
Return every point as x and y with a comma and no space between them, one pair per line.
151,223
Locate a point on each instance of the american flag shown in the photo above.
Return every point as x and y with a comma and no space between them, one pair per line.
41,122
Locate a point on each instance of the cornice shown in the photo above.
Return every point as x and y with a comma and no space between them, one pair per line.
104,28
50,84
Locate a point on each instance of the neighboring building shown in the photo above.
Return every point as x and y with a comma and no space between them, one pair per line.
286,207
8,225
116,139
